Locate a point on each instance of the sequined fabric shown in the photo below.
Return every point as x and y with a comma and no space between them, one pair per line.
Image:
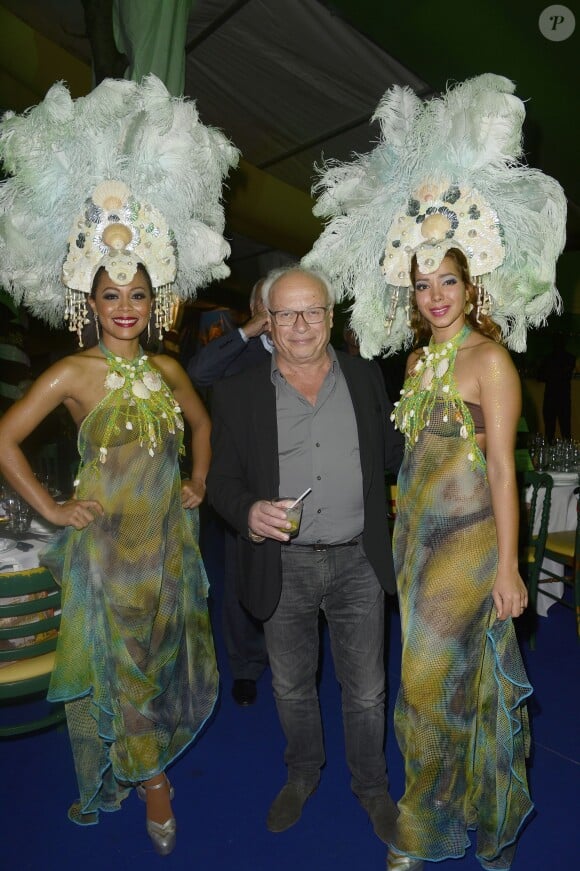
460,715
135,660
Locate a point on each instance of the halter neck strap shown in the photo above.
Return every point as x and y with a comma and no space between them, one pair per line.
111,356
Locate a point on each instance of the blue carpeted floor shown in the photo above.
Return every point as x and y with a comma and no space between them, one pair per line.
225,783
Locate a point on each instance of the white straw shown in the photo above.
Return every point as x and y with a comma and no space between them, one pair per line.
300,498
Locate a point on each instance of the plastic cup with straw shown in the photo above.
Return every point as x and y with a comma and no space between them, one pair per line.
293,511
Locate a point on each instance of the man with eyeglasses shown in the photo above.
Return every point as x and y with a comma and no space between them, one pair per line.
313,417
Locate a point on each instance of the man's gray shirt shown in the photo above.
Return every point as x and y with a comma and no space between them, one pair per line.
318,448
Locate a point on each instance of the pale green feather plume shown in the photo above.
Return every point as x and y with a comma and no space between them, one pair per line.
59,151
471,138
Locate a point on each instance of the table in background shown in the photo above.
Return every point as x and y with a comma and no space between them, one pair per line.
15,559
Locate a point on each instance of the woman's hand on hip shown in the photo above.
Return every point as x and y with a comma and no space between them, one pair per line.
76,512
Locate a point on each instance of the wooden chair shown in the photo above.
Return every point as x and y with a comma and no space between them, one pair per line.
534,542
563,547
29,622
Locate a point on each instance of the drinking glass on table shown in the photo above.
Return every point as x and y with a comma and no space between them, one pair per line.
293,513
18,513
542,458
535,442
568,456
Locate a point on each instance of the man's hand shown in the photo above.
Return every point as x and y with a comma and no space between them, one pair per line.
256,325
265,520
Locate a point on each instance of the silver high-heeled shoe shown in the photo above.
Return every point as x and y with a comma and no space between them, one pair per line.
398,862
163,835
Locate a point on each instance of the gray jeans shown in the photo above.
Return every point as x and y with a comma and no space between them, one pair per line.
341,582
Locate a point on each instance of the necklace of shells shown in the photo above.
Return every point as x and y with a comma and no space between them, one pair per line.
141,401
432,378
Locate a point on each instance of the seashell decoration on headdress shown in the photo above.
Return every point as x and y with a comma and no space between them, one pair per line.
116,232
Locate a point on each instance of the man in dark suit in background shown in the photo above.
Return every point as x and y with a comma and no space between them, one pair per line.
229,354
235,351
313,417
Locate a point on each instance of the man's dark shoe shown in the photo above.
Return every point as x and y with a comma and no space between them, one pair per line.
286,809
383,813
244,692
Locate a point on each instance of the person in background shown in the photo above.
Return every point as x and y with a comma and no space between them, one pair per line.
312,417
229,354
236,350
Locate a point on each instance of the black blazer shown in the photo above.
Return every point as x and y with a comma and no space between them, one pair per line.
227,355
245,469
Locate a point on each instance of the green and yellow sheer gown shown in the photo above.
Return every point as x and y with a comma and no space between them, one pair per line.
460,715
135,663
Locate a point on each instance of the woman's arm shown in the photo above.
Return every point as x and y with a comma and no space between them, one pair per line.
51,389
500,398
193,489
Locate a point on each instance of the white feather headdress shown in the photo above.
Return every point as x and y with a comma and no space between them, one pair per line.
127,174
445,173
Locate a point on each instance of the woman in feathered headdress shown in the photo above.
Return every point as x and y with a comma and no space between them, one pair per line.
111,213
442,237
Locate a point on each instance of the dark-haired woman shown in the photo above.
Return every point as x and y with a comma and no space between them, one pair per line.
460,715
135,663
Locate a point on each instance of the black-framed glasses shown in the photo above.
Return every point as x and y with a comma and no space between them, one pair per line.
288,317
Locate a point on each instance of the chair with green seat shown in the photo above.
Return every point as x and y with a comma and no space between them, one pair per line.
563,547
535,533
30,604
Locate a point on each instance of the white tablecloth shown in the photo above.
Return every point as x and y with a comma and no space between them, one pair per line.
13,559
562,516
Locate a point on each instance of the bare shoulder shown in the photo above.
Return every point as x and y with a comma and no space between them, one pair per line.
487,353
69,369
168,366
76,381
483,368
171,370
